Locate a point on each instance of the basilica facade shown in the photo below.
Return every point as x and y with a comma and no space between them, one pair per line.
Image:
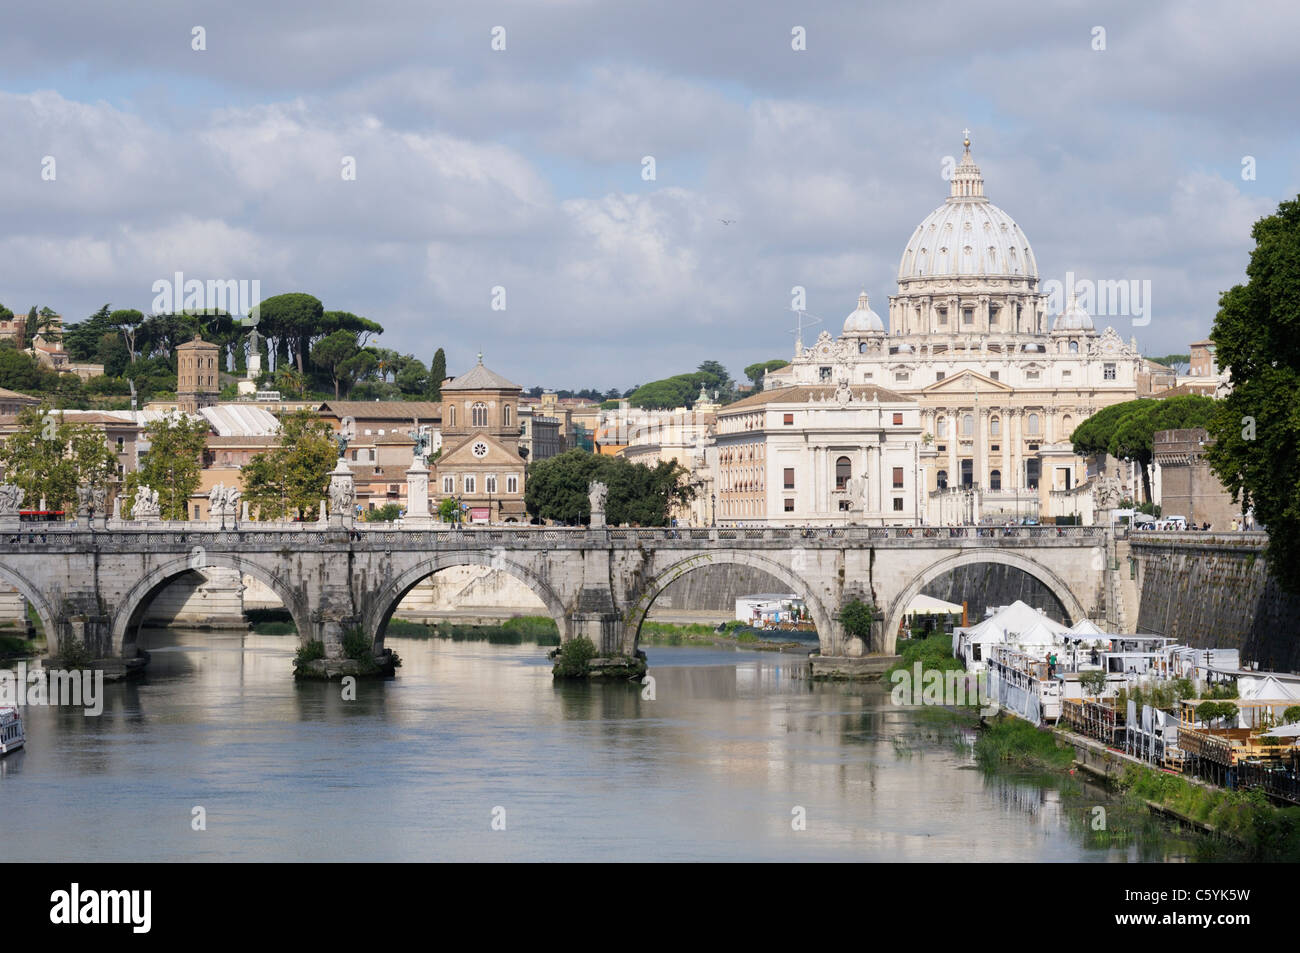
998,382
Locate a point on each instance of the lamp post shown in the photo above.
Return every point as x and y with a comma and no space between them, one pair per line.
713,501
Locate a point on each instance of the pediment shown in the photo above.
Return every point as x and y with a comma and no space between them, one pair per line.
462,455
965,382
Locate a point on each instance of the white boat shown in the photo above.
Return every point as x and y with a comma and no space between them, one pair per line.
11,731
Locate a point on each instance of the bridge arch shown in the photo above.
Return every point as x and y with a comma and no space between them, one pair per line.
32,593
1044,574
126,621
645,598
384,603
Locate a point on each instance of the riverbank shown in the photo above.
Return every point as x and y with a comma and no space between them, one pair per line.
1247,818
732,635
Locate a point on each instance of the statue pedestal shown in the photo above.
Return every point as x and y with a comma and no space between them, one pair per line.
343,496
417,497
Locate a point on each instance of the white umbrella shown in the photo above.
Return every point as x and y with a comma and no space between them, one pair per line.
1285,731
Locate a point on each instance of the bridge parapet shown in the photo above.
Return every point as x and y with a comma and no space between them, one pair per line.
180,535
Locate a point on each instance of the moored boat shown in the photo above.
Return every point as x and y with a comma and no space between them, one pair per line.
11,731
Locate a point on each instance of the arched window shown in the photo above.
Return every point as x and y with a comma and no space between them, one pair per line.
1067,425
942,479
968,425
505,415
843,471
943,427
451,415
478,415
1074,347
1033,423
995,479
995,427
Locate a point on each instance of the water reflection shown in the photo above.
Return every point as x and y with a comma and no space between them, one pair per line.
732,748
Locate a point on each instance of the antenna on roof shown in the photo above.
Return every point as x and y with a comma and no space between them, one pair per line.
797,330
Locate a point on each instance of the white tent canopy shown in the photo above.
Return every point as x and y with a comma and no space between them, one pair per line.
1086,627
924,605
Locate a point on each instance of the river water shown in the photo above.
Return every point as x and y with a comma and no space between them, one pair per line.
733,754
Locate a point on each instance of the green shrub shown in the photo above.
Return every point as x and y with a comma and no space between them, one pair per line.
73,654
1291,715
857,617
356,645
575,657
1093,682
310,652
1007,739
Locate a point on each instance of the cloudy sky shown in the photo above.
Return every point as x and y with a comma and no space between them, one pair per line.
522,168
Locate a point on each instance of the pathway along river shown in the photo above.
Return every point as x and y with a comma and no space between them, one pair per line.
716,767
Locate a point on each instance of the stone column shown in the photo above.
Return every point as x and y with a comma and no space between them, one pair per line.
1018,449
954,471
981,448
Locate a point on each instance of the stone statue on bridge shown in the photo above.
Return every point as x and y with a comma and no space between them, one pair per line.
11,499
223,501
596,494
145,505
856,488
1106,493
342,495
421,447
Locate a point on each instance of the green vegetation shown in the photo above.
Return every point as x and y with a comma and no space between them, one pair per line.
172,467
1010,740
1164,695
1291,715
357,646
311,652
1256,428
857,617
15,646
574,658
383,514
1126,430
1092,682
290,479
934,654
638,495
1171,360
755,372
1207,712
74,654
49,458
681,390
1269,833
437,374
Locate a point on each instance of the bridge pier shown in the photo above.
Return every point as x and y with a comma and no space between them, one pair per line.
88,640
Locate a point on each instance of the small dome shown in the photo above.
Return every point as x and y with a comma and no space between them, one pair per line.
863,319
1073,318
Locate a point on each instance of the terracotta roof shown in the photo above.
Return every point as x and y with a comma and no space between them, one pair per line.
425,410
1203,389
480,378
7,394
258,441
800,395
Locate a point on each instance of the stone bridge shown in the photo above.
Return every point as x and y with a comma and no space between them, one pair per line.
93,585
